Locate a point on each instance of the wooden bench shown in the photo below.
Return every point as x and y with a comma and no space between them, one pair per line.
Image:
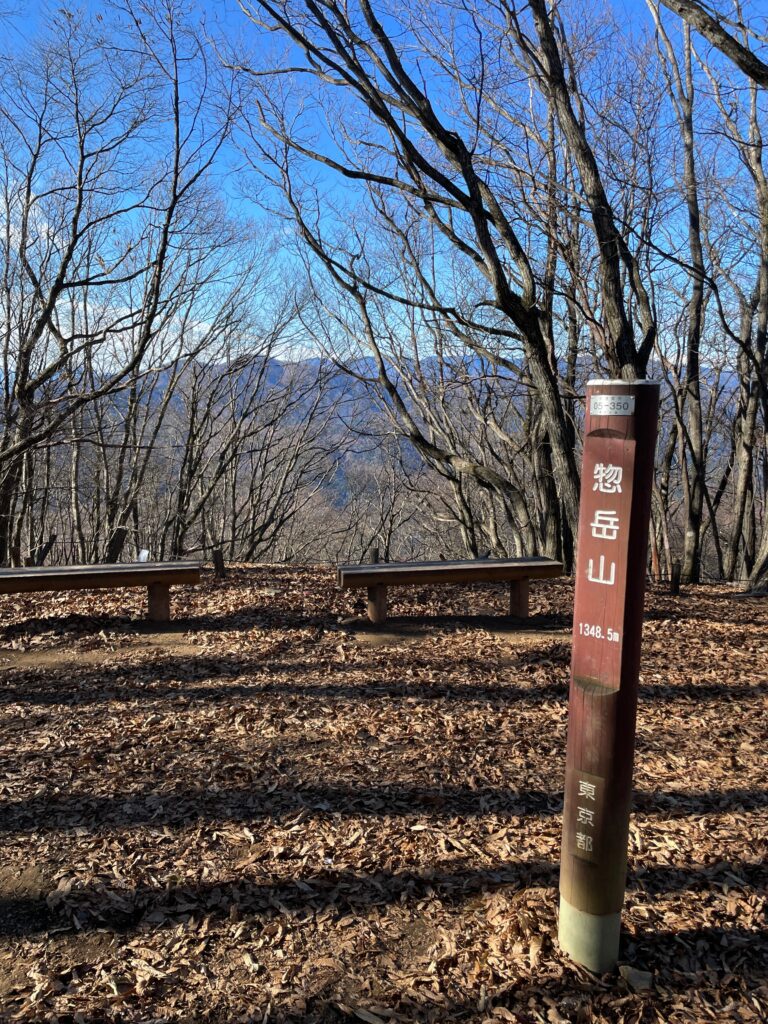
157,577
517,571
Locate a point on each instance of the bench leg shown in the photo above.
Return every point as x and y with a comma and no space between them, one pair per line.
377,603
159,596
518,599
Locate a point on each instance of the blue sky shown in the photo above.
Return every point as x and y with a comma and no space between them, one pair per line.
24,19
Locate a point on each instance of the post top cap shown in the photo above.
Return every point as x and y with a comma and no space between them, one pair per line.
623,383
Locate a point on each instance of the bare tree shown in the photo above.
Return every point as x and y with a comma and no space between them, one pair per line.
471,210
712,27
425,162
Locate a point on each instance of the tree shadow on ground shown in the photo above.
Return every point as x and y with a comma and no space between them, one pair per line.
689,609
243,620
305,892
256,802
183,678
280,608
421,625
248,617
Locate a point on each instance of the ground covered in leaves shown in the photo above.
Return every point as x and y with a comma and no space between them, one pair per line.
266,813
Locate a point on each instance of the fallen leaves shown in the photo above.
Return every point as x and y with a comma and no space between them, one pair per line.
638,981
254,816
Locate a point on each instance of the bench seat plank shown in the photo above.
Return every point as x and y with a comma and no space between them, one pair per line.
97,577
394,574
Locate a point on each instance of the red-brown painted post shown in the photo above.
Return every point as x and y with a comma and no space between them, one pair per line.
617,476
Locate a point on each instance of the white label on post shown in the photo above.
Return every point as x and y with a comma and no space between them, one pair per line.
612,405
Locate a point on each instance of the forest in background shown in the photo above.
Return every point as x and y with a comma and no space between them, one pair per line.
317,277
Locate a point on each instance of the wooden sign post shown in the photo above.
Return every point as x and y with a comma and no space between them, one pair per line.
617,476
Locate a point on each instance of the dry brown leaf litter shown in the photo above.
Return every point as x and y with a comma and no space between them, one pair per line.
260,815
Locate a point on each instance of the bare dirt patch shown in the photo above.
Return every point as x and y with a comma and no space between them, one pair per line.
107,655
256,816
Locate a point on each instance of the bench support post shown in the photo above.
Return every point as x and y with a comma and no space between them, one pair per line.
518,599
377,603
159,598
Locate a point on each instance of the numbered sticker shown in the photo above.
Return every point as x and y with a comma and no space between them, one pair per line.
612,405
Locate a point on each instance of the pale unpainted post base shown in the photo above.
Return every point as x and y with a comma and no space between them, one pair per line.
159,597
518,599
377,604
592,940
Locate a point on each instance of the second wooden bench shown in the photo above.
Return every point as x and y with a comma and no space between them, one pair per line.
376,578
